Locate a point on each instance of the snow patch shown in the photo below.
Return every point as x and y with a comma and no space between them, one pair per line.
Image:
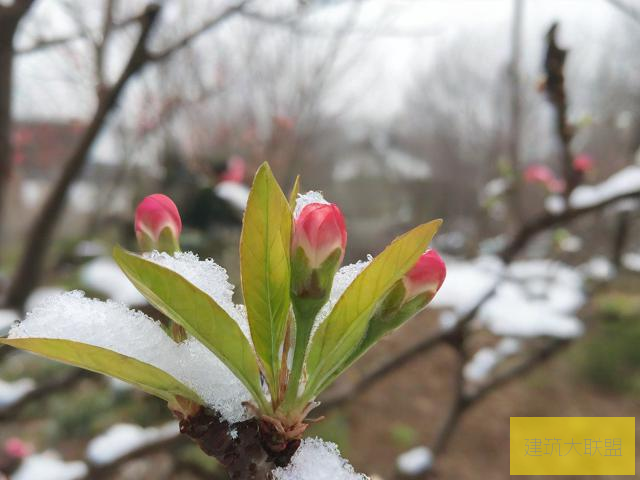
598,268
123,438
49,465
486,359
110,325
414,462
236,194
11,392
317,460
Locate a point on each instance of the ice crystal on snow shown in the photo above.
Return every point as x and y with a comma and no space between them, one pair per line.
317,460
111,325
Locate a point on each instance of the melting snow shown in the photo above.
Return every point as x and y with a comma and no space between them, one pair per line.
305,199
111,325
124,438
317,460
415,462
49,465
11,392
104,276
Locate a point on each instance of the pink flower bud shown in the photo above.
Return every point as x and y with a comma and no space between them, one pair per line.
583,162
427,275
544,175
16,448
319,230
154,214
236,170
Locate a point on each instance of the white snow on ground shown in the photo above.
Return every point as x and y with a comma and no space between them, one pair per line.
49,466
415,462
631,261
237,194
103,275
209,277
11,392
111,325
123,438
305,199
598,268
7,318
317,460
533,298
486,359
625,181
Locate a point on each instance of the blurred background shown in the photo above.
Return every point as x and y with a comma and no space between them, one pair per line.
517,122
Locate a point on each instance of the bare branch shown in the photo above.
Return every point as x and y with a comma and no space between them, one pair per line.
183,42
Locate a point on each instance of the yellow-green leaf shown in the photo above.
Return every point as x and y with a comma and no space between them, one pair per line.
344,328
107,362
265,269
197,312
293,195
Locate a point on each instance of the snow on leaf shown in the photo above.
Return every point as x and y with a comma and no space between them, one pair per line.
317,460
110,325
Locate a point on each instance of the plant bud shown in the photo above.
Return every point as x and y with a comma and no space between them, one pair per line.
583,163
158,224
319,231
426,276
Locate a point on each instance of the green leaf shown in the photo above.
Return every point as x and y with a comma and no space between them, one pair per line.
197,312
96,359
265,269
293,195
342,331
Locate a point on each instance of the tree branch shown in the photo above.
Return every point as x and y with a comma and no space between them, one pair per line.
42,391
183,42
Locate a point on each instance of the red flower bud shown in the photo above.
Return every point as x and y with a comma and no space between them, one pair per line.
427,275
583,162
319,230
154,215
